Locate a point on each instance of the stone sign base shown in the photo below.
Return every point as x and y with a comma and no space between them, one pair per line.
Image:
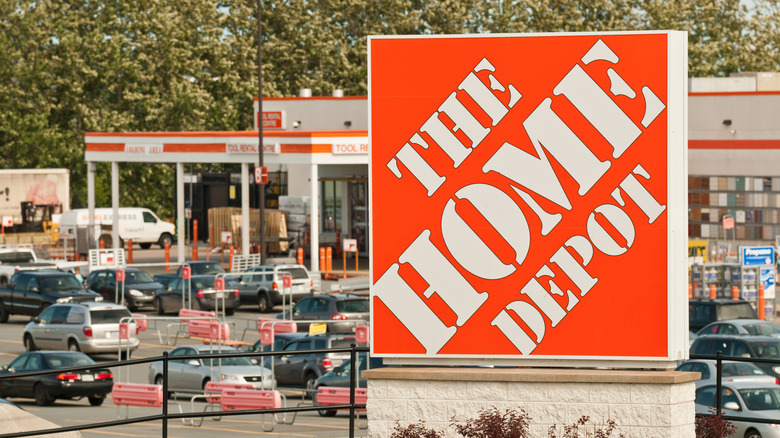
643,404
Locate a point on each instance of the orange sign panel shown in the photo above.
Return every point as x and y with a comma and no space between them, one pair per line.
521,195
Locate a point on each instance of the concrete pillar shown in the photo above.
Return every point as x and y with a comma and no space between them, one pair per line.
315,218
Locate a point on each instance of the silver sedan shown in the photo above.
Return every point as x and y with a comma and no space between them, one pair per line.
193,374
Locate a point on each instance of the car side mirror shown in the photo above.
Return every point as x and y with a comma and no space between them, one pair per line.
254,361
34,289
732,406
193,362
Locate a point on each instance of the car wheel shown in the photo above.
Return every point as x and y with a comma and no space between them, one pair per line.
131,306
124,355
205,381
264,303
165,238
3,313
752,433
158,307
309,380
96,401
145,245
159,381
327,412
29,344
230,312
3,281
73,346
42,397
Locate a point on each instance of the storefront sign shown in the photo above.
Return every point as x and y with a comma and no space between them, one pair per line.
519,198
143,149
273,119
248,148
350,148
755,255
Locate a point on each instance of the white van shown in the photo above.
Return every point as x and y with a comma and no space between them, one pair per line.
139,224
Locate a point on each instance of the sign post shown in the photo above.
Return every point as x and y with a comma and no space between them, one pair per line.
349,245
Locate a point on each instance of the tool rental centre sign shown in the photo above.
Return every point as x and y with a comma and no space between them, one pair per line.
528,196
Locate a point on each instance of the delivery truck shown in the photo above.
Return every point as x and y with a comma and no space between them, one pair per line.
139,224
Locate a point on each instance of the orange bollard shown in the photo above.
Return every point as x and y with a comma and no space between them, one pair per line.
329,259
713,292
231,257
194,231
322,259
194,253
167,255
735,292
690,291
300,256
761,302
129,251
102,243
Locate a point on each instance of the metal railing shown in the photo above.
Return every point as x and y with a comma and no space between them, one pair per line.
165,415
719,358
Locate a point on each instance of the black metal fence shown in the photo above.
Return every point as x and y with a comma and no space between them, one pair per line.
719,358
165,415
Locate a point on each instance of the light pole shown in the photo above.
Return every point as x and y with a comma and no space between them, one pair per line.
260,186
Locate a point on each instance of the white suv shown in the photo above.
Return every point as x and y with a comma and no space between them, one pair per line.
262,285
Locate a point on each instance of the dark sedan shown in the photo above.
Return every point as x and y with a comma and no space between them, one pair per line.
340,312
202,297
139,287
45,389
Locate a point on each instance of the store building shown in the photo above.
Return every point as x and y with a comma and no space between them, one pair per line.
317,148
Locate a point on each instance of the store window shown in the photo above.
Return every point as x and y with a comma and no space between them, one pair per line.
331,196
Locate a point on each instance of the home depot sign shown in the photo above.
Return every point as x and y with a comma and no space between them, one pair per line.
528,200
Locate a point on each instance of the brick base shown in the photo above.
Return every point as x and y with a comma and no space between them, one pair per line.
643,404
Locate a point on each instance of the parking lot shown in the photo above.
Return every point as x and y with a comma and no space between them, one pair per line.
69,413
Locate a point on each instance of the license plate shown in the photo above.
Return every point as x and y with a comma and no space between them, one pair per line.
220,295
87,378
112,334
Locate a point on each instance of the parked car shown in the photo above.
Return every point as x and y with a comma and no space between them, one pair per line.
204,296
262,285
138,287
755,327
704,311
340,376
196,268
29,292
744,399
766,347
193,374
90,327
45,389
341,311
302,370
280,340
731,371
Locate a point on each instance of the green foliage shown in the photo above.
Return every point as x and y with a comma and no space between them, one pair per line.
70,67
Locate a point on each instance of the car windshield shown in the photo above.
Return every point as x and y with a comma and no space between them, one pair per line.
207,268
741,369
767,349
108,316
295,273
759,328
761,399
736,311
352,306
65,282
67,360
226,361
203,283
135,277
